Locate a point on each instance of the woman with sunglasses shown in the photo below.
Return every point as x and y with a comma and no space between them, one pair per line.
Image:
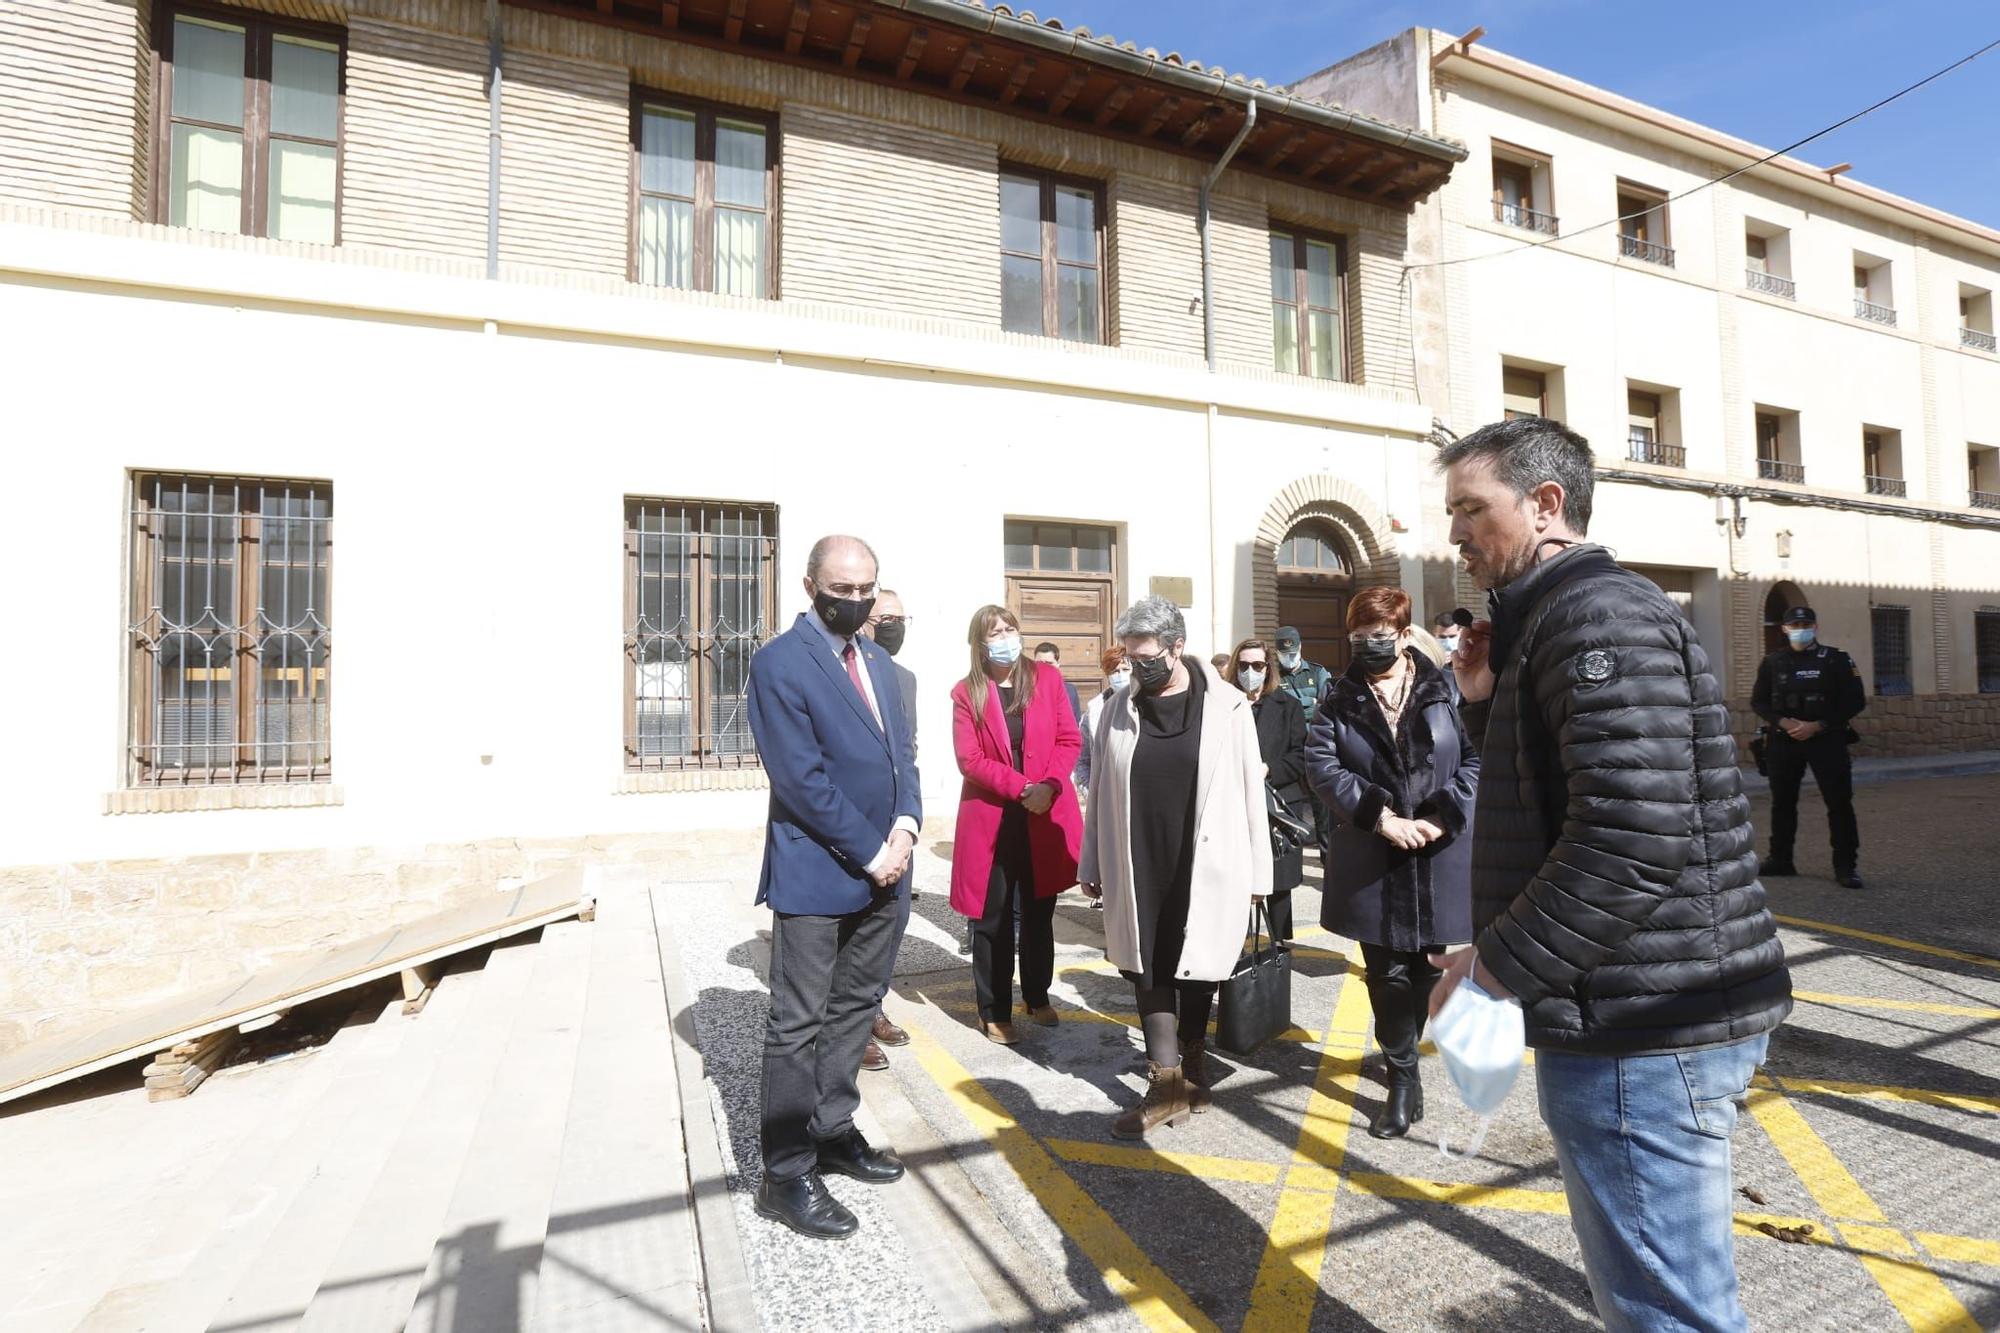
1389,757
1281,739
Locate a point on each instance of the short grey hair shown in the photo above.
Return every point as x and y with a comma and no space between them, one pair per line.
824,548
1153,618
1528,451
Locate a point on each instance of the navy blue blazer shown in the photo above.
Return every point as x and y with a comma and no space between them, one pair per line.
838,781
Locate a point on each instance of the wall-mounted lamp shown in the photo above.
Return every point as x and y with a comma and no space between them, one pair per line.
1729,513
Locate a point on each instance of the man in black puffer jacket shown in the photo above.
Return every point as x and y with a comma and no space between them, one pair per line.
1614,877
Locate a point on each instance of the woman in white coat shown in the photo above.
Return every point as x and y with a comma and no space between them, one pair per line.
1177,843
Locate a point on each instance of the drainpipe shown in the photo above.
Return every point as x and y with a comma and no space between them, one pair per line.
492,138
1217,631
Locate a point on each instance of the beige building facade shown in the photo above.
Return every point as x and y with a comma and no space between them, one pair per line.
405,525
1789,378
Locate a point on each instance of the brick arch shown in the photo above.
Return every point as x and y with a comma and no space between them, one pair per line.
1341,503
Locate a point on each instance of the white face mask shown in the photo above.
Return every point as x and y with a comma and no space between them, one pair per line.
1482,1041
1449,643
1120,678
1004,651
1289,658
1251,679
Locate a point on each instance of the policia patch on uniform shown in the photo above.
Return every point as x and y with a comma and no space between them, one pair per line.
1596,666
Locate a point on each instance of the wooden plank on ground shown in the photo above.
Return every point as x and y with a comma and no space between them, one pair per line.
621,1252
296,981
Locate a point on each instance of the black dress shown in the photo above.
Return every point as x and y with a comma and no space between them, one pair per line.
1165,765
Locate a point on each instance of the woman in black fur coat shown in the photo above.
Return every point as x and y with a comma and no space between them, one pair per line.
1390,759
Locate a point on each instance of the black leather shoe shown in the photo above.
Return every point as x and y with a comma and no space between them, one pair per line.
1403,1107
1847,877
1774,869
805,1205
850,1155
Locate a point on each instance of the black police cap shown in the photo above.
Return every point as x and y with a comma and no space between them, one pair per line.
1801,615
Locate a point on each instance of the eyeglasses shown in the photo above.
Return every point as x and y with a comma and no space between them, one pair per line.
848,592
1364,640
1137,660
879,621
1247,664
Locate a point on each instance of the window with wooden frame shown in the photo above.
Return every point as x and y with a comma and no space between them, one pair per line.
1642,224
231,631
248,124
1308,319
1523,393
700,600
1523,194
704,197
1051,256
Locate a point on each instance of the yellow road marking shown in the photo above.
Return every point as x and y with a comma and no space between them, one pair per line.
1898,1006
1459,1194
1894,942
1153,1296
1070,1013
1169,1163
1288,1276
1924,1301
1961,1249
1829,1183
1956,1101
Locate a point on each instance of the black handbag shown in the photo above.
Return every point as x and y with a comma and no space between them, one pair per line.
1256,1000
1288,831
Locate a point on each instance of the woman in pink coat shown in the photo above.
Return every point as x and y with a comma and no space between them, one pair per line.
1019,825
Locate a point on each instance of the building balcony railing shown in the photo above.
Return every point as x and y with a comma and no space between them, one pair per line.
1877,314
1978,338
1760,281
1888,486
1515,215
1986,499
1660,455
1774,469
1632,247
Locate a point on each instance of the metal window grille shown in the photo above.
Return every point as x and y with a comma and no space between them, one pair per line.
1979,338
1876,314
1760,281
1986,649
231,631
700,600
1891,625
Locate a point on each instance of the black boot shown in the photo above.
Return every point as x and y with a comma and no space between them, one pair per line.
1775,866
1392,986
1847,876
1403,1106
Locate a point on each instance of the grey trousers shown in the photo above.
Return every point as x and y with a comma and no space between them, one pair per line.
827,974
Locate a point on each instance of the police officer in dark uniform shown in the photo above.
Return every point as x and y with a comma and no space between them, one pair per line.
1309,683
1807,694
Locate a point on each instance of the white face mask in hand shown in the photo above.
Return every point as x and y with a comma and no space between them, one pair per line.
1483,1041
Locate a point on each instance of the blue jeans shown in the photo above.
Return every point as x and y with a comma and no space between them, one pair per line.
1643,1141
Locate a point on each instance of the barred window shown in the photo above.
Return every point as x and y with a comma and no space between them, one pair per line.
231,632
1986,647
700,600
1891,625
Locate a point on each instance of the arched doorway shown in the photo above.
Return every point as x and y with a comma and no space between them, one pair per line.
1782,598
1315,578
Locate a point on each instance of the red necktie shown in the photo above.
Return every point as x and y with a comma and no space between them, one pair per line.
854,674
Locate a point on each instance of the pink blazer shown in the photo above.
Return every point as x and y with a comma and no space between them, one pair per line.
1050,743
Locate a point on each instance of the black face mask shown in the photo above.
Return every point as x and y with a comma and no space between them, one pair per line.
1151,674
889,634
844,616
1375,656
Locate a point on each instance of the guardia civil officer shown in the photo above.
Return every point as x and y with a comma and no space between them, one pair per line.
1807,693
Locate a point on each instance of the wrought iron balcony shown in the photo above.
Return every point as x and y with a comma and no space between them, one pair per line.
1888,486
1652,451
1632,247
1986,499
1774,469
1515,215
1878,314
1978,338
1760,281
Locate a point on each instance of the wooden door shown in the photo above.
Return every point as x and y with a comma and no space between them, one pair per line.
1062,586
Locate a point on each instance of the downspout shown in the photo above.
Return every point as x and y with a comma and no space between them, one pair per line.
1216,630
492,138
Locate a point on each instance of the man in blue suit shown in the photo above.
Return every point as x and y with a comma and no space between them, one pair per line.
845,810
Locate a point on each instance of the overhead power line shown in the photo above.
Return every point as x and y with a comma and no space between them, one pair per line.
1719,180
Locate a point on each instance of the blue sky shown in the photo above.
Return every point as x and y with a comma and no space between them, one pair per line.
1768,72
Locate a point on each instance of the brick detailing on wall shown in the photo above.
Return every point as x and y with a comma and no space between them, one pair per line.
1942,637
1240,256
889,217
1341,503
565,164
414,173
1746,635
67,130
1155,250
79,943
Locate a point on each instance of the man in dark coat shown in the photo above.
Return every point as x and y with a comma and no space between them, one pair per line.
1807,693
1614,877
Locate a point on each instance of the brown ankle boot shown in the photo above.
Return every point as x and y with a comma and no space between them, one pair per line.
1194,1063
1166,1103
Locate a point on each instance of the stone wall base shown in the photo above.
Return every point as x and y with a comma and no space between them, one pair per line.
81,942
1923,724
